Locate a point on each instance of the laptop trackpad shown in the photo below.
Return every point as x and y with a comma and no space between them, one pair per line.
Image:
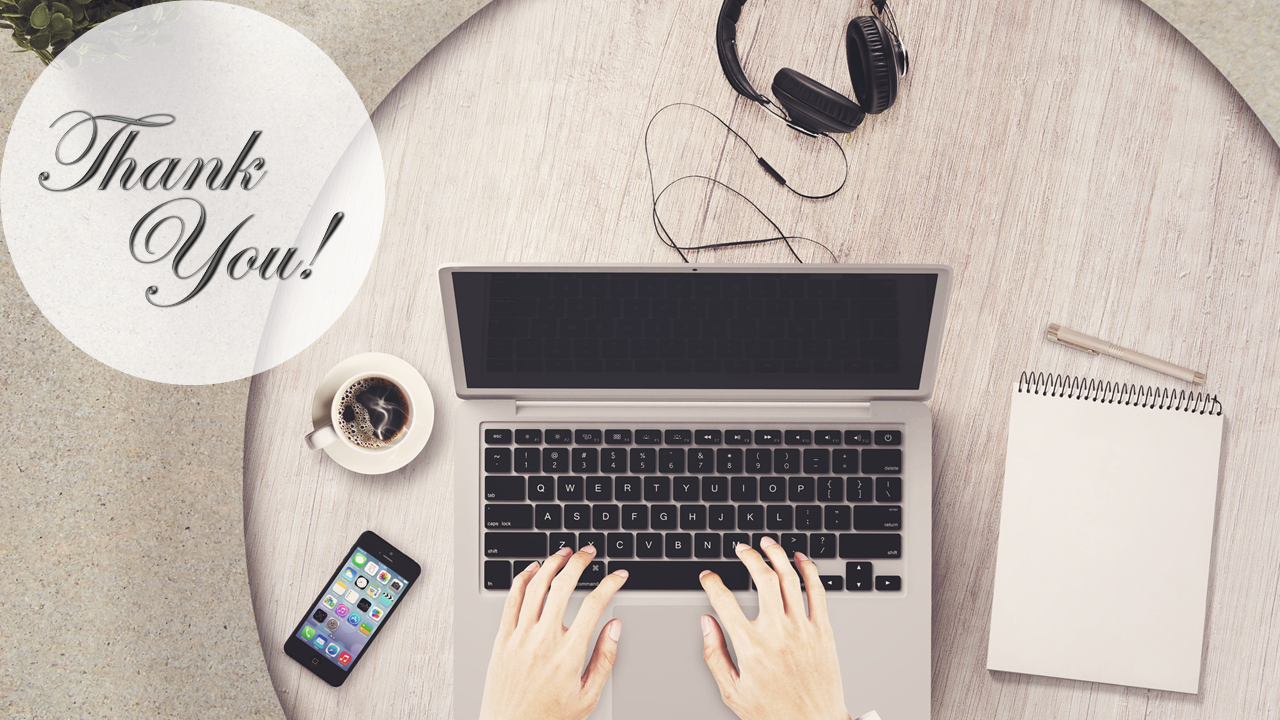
660,672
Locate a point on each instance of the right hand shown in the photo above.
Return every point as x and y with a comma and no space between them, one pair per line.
787,665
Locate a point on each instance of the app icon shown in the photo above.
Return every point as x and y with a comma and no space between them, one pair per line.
354,619
308,632
372,591
332,650
344,658
361,582
332,624
352,596
366,628
375,614
342,611
358,559
363,604
383,577
371,568
349,574
339,588
319,641
386,599
396,585
329,602
320,615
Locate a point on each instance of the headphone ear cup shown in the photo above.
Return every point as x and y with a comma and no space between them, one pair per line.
814,106
873,68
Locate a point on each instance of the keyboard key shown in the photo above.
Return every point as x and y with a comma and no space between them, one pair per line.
822,545
679,575
780,517
648,545
663,517
728,461
547,517
889,583
528,461
731,541
588,437
858,576
706,437
875,517
737,437
693,517
808,517
508,517
542,487
702,460
591,575
768,437
889,489
881,462
857,437
613,460
620,545
599,488
592,538
826,437
635,517
497,574
844,462
648,437
504,488
866,546
559,437
577,517
757,537
685,488
555,460
860,489
515,545
497,437
832,582
794,543
604,517
773,489
743,489
836,517
817,461
586,460
643,460
706,545
715,488
617,437
679,545
786,461
670,461
830,489
721,517
678,437
528,437
798,437
760,461
497,460
569,488
750,517
657,489
800,489
888,437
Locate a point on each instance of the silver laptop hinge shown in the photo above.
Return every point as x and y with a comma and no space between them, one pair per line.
692,410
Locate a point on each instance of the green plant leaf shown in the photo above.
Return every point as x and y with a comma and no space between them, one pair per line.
40,16
40,41
60,8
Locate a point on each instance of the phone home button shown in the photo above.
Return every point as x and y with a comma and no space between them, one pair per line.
315,661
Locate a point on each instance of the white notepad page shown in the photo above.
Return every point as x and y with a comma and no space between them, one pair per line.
1102,570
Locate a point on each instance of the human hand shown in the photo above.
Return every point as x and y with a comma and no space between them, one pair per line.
787,665
535,672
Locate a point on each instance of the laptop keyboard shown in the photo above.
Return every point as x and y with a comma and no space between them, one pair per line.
668,503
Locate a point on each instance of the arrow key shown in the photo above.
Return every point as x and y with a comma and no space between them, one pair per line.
857,576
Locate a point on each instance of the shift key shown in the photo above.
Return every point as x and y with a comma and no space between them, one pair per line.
881,461
515,544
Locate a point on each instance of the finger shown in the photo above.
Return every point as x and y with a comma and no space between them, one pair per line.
788,581
722,599
601,664
563,586
534,593
593,606
716,653
515,597
813,588
765,578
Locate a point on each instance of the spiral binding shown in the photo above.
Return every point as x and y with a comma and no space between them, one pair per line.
1145,396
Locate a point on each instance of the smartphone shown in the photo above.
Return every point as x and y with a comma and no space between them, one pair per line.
354,606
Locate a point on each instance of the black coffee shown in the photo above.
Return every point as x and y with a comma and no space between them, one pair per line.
374,412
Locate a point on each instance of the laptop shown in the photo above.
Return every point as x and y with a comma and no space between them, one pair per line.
665,413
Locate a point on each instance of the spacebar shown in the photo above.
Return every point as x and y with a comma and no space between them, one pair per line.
674,575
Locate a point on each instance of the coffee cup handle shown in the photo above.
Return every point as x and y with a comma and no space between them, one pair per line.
322,436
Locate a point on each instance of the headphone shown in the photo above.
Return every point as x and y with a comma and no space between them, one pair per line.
876,60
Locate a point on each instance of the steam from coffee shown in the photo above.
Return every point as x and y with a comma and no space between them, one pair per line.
374,413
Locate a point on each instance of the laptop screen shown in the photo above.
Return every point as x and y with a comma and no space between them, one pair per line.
704,330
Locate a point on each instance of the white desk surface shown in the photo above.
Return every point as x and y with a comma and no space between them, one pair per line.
1077,162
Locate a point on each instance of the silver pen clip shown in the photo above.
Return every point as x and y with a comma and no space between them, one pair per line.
1053,335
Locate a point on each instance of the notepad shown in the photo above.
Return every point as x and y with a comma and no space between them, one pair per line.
1106,527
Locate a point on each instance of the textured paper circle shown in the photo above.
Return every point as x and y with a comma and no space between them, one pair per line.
168,183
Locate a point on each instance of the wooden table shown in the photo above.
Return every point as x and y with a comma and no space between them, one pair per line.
1074,162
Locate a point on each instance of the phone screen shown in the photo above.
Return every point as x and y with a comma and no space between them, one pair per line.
351,609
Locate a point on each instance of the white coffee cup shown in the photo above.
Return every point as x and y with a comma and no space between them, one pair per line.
328,434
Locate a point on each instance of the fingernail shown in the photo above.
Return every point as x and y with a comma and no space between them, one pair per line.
706,625
767,542
532,566
564,551
590,549
621,573
615,629
740,547
703,574
801,557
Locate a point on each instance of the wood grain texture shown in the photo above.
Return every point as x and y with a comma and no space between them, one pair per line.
1075,162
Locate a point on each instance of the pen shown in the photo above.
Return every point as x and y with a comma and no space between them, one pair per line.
1079,341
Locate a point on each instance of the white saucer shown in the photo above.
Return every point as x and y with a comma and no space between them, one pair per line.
424,413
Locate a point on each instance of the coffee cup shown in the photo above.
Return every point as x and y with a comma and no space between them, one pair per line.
371,413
